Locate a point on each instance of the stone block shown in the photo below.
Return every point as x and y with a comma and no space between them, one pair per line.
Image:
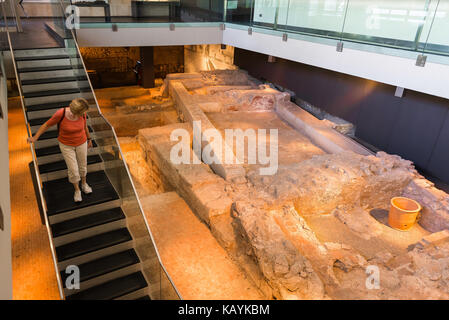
192,112
436,238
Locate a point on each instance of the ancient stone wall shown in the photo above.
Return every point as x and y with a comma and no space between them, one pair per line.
208,57
311,230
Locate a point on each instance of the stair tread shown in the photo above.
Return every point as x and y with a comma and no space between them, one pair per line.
144,298
61,165
50,93
53,80
86,222
112,289
53,133
40,69
50,134
48,57
47,151
91,244
59,193
48,106
40,121
99,267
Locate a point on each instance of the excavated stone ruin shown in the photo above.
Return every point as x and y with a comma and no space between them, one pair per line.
314,228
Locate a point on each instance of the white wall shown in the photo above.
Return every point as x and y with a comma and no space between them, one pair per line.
397,71
150,36
394,70
5,235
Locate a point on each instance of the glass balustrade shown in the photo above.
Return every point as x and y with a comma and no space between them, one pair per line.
414,25
109,150
417,25
159,11
106,142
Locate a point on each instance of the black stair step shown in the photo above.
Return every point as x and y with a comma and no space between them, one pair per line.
61,165
51,57
58,193
53,80
86,222
144,298
91,244
50,93
53,134
47,151
47,106
40,69
112,289
39,121
104,265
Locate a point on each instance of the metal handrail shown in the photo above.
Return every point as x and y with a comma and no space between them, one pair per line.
122,159
36,167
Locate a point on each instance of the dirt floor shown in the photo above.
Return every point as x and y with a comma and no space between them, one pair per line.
315,229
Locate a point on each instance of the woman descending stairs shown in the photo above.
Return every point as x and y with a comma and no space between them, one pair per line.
92,235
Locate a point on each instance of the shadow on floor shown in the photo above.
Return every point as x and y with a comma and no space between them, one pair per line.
380,215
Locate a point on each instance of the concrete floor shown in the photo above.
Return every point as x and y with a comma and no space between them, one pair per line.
33,36
34,276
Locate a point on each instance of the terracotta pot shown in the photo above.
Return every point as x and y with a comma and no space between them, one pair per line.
403,213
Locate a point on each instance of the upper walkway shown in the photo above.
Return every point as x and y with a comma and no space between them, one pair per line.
393,42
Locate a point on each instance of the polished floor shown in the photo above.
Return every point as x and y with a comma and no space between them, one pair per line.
34,274
33,36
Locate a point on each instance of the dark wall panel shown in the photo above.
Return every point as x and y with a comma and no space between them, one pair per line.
440,155
378,115
415,126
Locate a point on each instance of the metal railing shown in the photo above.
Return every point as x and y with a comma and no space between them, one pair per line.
416,25
120,154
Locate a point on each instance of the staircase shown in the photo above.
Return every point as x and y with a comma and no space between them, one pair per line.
92,235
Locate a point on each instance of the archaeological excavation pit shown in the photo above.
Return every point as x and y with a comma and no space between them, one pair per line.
314,228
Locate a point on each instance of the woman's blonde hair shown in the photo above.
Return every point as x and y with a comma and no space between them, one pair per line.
79,106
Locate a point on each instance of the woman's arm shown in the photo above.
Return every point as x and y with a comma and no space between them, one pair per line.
56,118
39,132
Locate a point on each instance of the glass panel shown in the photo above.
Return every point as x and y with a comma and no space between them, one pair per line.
168,292
3,25
434,37
240,11
265,12
321,17
394,23
281,19
115,168
162,11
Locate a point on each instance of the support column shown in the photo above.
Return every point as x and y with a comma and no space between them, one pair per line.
146,57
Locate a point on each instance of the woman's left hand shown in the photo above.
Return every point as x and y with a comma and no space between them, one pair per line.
89,143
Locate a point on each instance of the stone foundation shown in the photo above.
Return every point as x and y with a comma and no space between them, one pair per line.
314,228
